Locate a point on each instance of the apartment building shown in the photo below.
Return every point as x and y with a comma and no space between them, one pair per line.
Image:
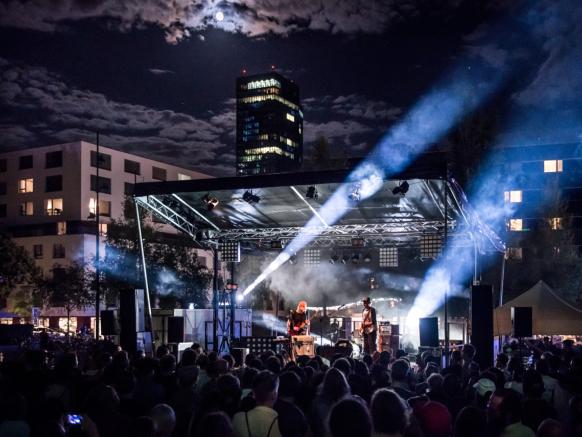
48,197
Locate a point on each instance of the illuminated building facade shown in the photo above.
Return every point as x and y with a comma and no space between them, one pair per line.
269,125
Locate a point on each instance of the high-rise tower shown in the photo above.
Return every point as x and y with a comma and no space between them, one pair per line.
269,125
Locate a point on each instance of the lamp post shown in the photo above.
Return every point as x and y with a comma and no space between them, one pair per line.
97,244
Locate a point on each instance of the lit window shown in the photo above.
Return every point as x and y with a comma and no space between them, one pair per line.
104,207
26,208
514,253
256,84
516,224
556,223
513,196
53,206
184,177
103,229
290,117
61,228
553,166
25,185
264,98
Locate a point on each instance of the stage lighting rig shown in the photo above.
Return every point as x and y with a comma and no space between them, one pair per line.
251,198
312,193
401,189
355,194
293,259
372,283
334,259
276,244
358,242
210,202
345,259
356,258
368,258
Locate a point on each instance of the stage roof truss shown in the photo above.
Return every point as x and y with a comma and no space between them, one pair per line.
283,211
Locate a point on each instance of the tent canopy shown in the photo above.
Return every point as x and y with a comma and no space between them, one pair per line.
551,314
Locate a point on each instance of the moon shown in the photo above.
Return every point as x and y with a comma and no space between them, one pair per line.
219,16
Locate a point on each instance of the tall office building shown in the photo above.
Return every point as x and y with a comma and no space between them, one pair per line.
269,125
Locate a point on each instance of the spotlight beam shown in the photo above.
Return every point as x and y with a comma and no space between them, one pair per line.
313,210
431,118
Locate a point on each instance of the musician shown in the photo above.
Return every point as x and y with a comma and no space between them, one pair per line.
369,327
297,323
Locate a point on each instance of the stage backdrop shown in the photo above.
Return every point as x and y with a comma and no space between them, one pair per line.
551,314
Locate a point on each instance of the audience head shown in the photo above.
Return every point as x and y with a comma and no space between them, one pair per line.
471,421
215,424
349,417
390,413
468,352
334,384
533,384
289,385
164,420
400,369
433,418
551,428
343,365
265,387
504,408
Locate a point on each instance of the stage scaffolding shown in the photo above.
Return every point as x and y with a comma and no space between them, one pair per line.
433,205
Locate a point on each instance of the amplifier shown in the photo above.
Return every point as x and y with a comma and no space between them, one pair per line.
303,345
256,345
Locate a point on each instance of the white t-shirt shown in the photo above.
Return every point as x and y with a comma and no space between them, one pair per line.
262,422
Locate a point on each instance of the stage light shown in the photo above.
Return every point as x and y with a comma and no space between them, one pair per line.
251,198
368,258
293,259
230,251
334,259
239,297
388,257
431,246
401,189
345,259
210,202
358,242
355,194
312,193
372,283
311,256
219,16
356,258
276,244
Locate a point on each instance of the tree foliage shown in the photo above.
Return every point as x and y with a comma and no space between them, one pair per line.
68,287
174,270
16,266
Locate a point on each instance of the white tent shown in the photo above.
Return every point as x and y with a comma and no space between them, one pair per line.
551,314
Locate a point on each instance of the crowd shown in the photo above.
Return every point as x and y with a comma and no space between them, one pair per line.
98,390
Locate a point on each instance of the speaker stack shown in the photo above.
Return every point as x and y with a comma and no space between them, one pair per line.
388,337
521,322
482,324
429,332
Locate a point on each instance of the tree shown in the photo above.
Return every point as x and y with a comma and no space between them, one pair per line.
68,287
173,267
16,267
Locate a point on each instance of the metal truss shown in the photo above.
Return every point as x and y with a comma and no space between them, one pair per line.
171,212
399,228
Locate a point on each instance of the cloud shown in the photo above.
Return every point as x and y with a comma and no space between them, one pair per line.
179,18
64,113
159,71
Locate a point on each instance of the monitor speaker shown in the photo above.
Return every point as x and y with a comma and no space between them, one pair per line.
175,329
108,323
521,322
482,324
429,331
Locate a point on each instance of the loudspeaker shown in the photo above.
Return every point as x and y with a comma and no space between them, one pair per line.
109,323
175,329
429,331
482,324
521,322
131,318
328,352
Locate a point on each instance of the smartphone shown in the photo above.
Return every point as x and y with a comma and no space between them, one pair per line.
74,419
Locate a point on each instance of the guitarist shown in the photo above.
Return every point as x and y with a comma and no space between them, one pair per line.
297,323
368,329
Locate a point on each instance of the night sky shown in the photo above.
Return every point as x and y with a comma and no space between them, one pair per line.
157,77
